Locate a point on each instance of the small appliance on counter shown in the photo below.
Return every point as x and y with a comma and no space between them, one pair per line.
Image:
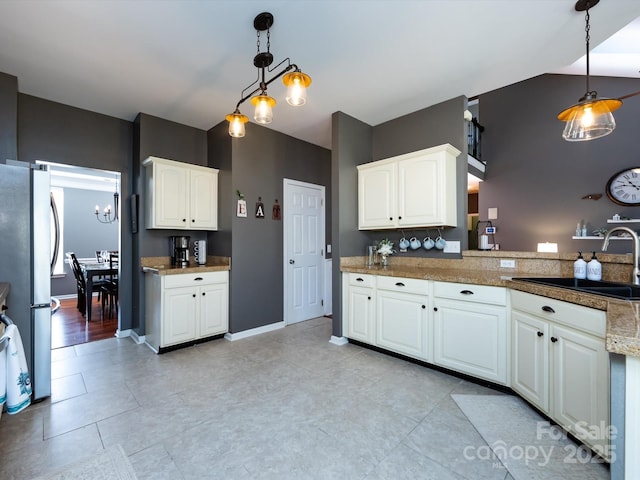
179,250
200,251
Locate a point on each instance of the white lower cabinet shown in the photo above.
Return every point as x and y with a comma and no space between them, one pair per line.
402,316
471,330
185,307
359,306
387,312
560,364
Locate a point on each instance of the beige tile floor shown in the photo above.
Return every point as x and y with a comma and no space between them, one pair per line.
282,405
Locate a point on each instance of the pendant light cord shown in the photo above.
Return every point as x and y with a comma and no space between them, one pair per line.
587,38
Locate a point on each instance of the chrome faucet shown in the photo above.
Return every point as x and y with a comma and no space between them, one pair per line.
635,276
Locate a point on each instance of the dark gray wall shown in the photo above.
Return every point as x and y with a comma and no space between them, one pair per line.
82,233
165,139
257,165
59,133
536,179
355,143
8,116
436,125
351,142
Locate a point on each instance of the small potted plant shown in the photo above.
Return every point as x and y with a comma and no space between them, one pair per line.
385,248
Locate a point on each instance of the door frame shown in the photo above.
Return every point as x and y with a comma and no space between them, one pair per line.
287,183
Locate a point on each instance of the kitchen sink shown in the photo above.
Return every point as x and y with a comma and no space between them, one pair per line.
624,291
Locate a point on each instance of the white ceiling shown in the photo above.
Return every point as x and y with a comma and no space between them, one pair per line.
188,60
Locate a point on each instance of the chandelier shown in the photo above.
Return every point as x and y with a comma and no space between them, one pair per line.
294,79
106,213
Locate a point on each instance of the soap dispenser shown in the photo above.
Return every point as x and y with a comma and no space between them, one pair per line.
580,267
594,268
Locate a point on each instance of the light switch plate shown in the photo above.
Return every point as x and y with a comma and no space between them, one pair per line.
452,246
492,213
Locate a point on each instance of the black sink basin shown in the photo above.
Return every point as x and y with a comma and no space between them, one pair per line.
624,291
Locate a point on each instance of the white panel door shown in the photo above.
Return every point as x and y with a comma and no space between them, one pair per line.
304,250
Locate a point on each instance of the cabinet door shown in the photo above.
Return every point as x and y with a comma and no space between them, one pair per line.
377,197
401,321
471,338
426,190
203,201
170,196
179,317
214,318
360,314
530,353
580,382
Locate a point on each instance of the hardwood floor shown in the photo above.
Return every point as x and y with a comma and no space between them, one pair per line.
69,327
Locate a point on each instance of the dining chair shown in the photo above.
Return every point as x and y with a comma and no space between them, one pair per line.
79,291
110,287
82,285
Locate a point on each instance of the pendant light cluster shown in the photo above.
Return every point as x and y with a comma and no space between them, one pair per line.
294,79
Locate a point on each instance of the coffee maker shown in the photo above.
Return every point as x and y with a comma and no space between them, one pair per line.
179,250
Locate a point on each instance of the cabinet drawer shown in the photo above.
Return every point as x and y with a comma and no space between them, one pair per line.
586,319
195,279
360,280
400,284
472,293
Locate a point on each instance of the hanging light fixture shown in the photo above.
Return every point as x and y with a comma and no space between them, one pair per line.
591,117
296,82
106,213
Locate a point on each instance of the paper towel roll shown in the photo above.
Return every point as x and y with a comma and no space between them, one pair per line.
484,242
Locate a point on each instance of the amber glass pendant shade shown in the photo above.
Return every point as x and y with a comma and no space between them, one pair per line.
589,119
296,83
264,108
236,124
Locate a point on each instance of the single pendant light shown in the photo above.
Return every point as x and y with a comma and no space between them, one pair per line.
264,108
236,123
591,117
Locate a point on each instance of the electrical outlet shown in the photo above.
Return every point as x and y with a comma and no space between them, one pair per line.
507,263
452,246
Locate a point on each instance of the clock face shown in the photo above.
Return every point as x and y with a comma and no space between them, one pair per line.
623,187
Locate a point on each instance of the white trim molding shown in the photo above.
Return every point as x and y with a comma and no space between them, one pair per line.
632,418
254,331
339,340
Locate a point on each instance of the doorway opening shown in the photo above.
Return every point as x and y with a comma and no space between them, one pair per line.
82,195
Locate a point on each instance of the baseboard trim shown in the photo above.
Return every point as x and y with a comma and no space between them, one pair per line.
339,340
254,331
138,339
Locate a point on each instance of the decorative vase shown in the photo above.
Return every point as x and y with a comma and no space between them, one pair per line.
384,260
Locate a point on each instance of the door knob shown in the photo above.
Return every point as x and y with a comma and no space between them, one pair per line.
291,262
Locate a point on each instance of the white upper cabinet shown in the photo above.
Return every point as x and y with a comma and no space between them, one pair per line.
416,189
180,195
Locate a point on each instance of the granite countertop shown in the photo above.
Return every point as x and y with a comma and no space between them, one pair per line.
623,317
162,265
4,292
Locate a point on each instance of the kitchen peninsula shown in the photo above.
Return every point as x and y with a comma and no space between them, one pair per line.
551,345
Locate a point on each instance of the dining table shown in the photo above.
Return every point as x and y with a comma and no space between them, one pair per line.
90,270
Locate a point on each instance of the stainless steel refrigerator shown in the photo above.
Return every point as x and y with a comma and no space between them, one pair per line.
25,256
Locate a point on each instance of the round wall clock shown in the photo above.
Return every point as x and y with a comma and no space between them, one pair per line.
623,187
